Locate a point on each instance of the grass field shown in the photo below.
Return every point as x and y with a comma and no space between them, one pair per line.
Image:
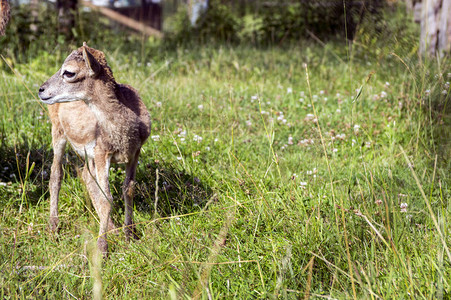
275,173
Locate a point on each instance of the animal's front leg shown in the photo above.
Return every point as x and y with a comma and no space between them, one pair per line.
104,201
56,175
92,185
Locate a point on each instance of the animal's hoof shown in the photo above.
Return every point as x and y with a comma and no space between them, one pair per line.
53,224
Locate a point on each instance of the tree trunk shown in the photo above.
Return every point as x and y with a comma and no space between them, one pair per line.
66,16
4,15
435,27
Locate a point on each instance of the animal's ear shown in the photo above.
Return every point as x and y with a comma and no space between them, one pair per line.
92,64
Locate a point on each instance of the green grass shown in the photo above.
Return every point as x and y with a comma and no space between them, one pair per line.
255,198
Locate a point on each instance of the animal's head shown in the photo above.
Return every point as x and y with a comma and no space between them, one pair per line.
82,70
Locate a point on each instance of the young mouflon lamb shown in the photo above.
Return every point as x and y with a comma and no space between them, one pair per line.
105,122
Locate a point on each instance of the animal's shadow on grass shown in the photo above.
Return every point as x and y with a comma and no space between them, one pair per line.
27,166
173,190
178,191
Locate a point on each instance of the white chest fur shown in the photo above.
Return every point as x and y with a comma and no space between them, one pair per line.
87,149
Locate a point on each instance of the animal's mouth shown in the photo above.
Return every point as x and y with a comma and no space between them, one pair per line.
46,100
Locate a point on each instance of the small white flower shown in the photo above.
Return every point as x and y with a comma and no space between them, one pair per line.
207,148
403,207
249,123
289,90
3,184
302,94
159,104
338,110
301,100
321,92
341,136
387,84
200,107
254,97
179,158
197,138
302,184
383,94
156,138
290,140
427,92
335,150
444,92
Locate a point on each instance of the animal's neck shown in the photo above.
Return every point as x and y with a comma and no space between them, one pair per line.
108,110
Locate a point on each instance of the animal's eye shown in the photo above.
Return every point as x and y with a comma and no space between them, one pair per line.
68,74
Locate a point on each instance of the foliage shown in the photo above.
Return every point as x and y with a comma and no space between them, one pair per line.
274,21
23,40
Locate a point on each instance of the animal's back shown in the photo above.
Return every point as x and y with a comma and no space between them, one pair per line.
131,100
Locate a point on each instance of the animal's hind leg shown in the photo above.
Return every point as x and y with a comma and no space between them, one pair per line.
128,193
89,177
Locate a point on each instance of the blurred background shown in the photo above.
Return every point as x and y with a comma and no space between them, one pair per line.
148,25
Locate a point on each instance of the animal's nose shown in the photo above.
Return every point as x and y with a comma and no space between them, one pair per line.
41,89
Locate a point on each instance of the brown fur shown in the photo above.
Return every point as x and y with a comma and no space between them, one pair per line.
104,121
